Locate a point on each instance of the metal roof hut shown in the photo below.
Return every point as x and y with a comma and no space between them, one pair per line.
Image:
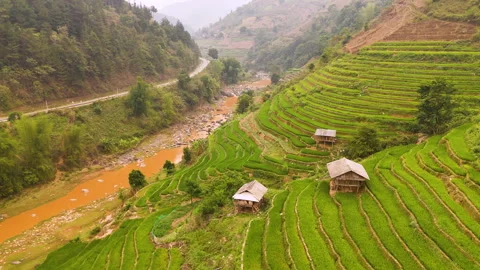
347,176
250,195
325,135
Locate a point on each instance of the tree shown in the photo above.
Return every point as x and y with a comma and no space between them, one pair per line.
213,53
365,143
183,80
275,78
187,155
73,147
36,150
138,100
231,70
244,103
210,87
5,98
169,167
311,67
136,179
10,176
193,189
435,111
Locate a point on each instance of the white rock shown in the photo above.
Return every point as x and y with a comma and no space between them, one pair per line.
85,190
100,180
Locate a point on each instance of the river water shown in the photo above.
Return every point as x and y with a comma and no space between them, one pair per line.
106,183
99,187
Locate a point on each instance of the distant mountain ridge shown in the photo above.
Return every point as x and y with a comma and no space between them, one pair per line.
159,17
261,28
201,13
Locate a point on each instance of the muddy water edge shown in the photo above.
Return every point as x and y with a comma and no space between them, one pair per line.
107,182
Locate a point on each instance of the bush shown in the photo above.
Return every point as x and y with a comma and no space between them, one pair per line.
275,78
169,167
136,179
187,155
244,103
14,116
365,143
97,109
95,231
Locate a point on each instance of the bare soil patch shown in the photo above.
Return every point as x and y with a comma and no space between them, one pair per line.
434,30
401,13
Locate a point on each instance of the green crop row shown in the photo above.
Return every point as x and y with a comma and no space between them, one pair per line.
430,48
441,154
405,225
317,247
330,221
312,152
263,119
302,158
427,208
252,258
296,246
359,231
276,249
456,138
426,56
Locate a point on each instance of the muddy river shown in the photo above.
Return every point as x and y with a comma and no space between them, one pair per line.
102,185
106,183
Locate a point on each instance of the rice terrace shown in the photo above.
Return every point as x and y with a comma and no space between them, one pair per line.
365,156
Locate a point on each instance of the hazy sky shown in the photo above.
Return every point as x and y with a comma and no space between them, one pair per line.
157,3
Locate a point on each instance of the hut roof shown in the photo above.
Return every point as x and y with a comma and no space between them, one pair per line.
252,191
326,132
344,166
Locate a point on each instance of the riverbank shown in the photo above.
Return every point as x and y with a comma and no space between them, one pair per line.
147,157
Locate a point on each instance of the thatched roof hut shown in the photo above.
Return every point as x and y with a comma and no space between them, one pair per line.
250,195
347,176
325,135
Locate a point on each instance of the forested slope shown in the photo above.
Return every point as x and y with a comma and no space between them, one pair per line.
271,35
261,22
57,49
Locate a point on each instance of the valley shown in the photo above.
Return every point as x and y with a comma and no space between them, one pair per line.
396,83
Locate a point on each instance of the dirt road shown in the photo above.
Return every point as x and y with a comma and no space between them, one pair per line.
203,64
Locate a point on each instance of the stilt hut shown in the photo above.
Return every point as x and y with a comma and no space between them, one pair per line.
250,196
347,176
325,136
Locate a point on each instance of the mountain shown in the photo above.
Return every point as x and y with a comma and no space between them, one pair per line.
61,49
266,25
159,17
201,13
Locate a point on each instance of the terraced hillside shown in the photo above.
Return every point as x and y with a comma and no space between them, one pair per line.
375,87
420,211
130,247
